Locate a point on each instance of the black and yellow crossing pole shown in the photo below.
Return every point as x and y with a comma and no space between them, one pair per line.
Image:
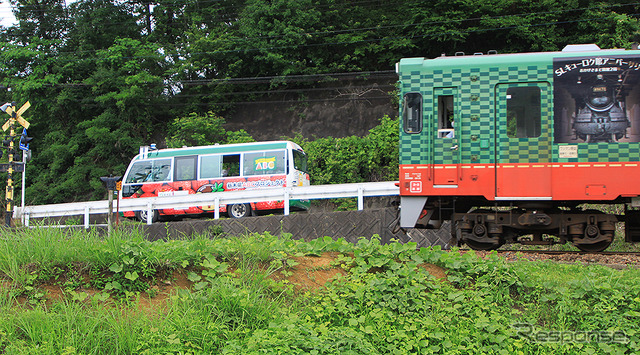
15,116
9,191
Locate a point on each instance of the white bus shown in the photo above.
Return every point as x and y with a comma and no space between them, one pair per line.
216,168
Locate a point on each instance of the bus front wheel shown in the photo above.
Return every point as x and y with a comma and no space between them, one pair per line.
239,210
142,216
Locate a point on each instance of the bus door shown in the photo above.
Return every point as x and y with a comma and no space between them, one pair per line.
523,141
445,142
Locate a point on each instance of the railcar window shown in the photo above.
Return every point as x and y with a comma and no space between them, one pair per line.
264,163
412,112
185,168
149,171
210,166
523,112
445,116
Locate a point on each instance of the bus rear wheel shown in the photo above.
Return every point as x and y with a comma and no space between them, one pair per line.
142,216
239,210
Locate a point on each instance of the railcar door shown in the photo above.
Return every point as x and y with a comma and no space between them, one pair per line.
445,133
523,141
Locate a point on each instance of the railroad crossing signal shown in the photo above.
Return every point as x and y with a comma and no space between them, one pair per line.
11,166
15,115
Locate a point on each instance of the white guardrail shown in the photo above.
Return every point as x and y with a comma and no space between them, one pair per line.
215,199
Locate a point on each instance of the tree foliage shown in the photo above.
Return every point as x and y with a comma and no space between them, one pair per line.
208,129
373,157
106,76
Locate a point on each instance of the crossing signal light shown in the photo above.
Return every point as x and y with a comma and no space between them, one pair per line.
24,140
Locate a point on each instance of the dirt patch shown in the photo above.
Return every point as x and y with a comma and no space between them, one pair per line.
154,299
156,296
313,272
435,270
309,274
53,293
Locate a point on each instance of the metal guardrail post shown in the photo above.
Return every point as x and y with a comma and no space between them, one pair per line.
149,214
360,198
26,219
286,202
216,206
86,217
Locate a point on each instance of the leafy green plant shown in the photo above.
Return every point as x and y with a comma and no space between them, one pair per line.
130,271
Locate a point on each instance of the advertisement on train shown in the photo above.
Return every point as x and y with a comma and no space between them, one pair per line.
597,99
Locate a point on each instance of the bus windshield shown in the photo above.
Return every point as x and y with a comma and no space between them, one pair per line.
300,161
149,171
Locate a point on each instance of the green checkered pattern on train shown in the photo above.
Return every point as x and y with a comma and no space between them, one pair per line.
414,148
475,113
477,116
602,152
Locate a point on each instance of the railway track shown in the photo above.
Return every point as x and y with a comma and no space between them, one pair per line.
570,252
618,260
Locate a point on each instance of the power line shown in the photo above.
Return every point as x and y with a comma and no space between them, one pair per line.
269,79
263,102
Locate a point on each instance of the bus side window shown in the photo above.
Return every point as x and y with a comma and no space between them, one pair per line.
210,166
185,168
231,165
265,163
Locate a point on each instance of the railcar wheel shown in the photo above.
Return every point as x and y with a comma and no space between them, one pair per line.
239,210
476,245
595,247
142,216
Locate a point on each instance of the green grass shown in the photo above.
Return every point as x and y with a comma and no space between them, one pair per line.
385,304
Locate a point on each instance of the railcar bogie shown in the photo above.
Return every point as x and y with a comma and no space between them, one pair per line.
486,230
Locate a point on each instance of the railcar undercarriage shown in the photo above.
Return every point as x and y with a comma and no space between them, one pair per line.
530,223
487,229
